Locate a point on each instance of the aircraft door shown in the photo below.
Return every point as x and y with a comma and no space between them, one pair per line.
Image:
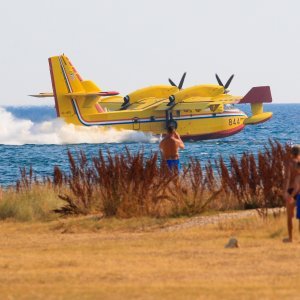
136,125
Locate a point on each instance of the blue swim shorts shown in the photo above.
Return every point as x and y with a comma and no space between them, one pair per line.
298,206
173,164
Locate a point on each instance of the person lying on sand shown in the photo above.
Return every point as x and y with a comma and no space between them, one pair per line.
169,147
291,172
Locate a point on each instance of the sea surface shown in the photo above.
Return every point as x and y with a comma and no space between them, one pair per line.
32,136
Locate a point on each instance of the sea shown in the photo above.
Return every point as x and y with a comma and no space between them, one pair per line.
33,136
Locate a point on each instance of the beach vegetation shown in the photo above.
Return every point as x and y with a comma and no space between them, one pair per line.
128,185
132,185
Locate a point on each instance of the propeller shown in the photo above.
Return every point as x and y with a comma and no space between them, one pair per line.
180,85
227,83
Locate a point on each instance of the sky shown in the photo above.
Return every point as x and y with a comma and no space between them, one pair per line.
125,45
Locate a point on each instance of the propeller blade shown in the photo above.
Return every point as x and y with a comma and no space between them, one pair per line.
172,82
182,81
228,81
219,80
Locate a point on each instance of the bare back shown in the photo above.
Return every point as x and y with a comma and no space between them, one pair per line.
296,185
169,147
291,171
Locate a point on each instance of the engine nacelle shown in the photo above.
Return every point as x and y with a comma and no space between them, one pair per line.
156,91
205,91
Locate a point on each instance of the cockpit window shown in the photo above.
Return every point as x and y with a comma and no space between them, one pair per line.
228,106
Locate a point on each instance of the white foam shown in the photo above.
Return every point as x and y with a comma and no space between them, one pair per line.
16,131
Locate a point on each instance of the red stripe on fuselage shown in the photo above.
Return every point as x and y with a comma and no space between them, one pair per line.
214,135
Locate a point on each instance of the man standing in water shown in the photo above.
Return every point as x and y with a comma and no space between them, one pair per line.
290,175
169,147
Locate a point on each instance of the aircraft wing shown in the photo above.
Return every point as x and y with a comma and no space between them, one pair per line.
200,103
163,106
227,99
195,99
192,105
187,105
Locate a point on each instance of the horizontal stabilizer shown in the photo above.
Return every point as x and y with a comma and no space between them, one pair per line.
259,94
43,95
79,94
92,94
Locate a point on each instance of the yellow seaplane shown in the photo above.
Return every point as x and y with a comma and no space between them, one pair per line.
199,112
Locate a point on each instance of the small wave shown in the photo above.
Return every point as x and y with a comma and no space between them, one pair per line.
18,131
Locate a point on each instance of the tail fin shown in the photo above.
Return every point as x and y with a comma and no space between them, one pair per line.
256,97
259,94
67,85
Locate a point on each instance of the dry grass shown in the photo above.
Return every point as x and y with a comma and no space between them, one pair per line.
41,261
35,203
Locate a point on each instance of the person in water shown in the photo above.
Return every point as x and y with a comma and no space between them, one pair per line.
290,193
169,147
